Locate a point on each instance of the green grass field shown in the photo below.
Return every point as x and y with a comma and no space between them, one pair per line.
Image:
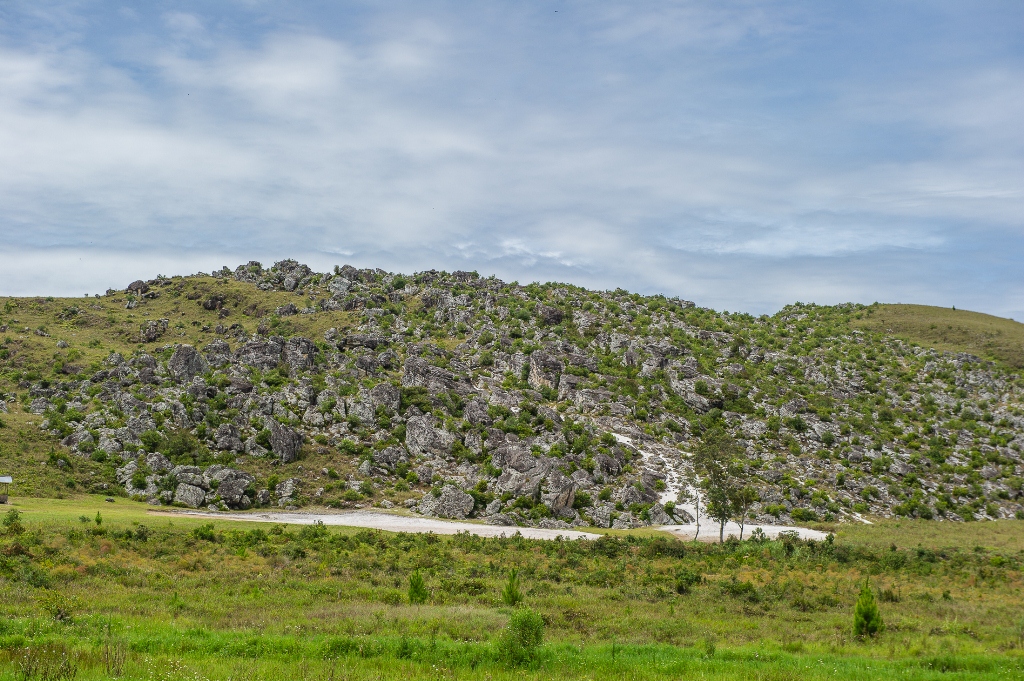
147,595
989,337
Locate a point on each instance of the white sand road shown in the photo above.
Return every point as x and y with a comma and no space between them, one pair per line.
393,522
709,531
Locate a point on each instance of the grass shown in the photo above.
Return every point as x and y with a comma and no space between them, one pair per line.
95,327
986,336
192,598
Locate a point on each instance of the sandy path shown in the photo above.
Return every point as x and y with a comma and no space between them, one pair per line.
709,531
401,523
390,522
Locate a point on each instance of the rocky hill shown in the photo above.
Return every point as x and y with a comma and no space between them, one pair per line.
463,396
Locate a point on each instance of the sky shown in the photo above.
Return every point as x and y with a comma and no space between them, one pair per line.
743,155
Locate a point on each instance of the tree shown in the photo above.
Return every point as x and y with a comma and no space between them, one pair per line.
719,461
867,621
418,593
511,595
742,500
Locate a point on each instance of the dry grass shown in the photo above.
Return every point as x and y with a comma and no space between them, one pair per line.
993,338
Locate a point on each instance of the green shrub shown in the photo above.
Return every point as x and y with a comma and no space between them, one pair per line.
582,500
522,637
866,619
12,522
802,515
205,533
418,593
686,579
59,606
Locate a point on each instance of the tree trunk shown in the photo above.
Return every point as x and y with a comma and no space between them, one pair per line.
743,522
696,513
721,531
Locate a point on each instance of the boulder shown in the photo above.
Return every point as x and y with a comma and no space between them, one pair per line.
550,316
658,515
232,491
475,412
607,465
186,363
387,396
423,439
560,495
227,438
263,354
286,489
109,445
501,519
453,503
189,495
418,372
152,330
158,463
601,516
681,515
39,405
284,441
624,522
390,458
339,286
544,370
299,354
218,353
77,439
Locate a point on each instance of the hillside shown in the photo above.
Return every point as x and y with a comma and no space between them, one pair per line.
457,395
992,338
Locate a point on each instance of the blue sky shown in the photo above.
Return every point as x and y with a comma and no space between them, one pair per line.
740,154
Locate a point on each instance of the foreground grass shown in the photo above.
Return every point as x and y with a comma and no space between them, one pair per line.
164,597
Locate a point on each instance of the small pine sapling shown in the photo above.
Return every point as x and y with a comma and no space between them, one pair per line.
418,593
866,619
511,595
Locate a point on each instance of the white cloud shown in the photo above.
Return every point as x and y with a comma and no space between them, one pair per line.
642,155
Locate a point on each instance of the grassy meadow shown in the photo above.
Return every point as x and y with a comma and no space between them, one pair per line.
141,595
947,329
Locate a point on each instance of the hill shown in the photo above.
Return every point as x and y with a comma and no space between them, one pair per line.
950,330
458,395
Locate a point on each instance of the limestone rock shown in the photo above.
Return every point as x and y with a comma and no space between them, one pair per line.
453,503
299,354
263,354
544,370
424,439
186,363
390,458
157,462
284,441
227,438
218,353
189,495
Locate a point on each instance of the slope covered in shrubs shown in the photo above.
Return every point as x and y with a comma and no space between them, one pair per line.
466,396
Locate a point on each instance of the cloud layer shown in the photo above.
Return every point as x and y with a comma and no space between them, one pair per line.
741,154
